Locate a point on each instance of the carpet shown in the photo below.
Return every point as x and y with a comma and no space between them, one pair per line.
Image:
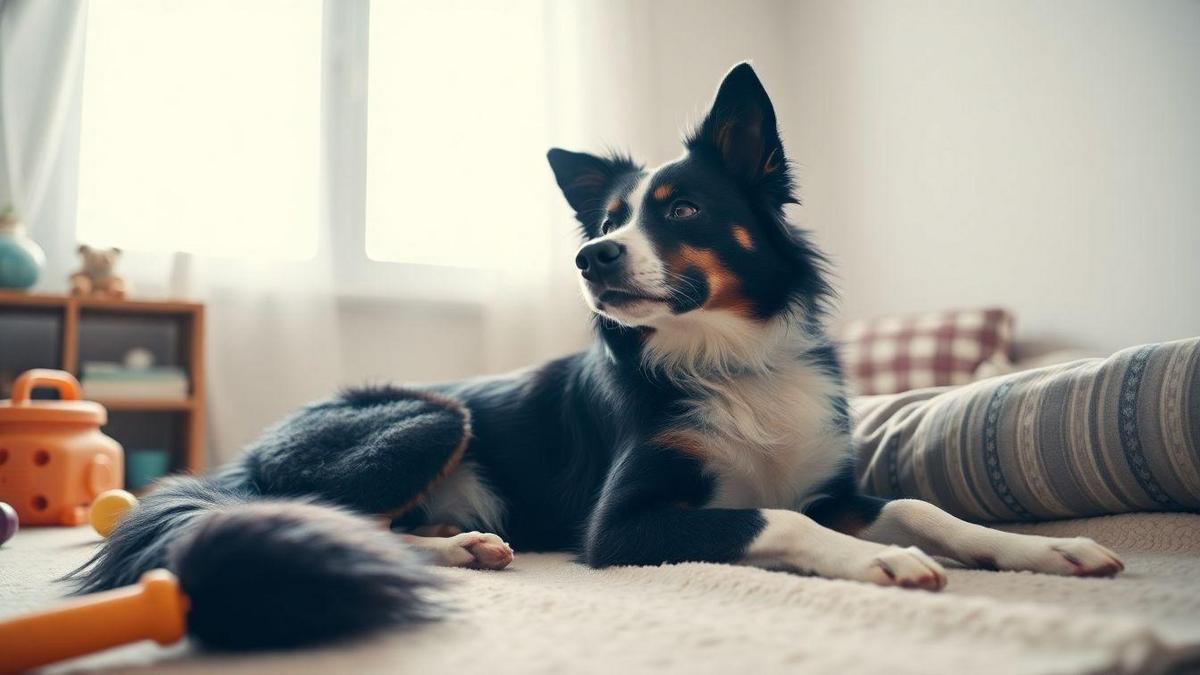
546,614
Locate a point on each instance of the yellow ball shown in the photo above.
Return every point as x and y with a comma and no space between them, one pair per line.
108,510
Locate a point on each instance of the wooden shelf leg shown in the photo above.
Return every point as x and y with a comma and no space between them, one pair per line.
70,338
195,430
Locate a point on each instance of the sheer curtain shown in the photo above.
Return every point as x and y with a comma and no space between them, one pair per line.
598,74
278,332
40,70
273,344
272,339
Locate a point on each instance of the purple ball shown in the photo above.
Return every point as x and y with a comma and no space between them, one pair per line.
8,522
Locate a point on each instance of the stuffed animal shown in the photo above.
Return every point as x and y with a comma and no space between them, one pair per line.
97,277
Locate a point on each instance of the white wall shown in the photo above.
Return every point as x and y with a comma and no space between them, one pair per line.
1044,156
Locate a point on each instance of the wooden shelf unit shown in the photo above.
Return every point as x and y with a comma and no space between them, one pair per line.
189,316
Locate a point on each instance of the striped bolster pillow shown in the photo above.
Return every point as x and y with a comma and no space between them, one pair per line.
1080,439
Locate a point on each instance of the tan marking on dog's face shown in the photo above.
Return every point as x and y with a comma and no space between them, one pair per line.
614,206
723,286
662,192
743,237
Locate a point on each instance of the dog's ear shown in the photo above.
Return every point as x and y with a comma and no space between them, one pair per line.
741,132
585,180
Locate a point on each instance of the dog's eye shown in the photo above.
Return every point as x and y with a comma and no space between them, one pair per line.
682,210
606,225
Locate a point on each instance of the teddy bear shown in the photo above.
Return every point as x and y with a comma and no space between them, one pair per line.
97,277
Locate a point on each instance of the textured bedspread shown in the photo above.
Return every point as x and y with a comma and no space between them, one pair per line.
546,614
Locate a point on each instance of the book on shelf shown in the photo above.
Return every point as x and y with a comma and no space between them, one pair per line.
102,380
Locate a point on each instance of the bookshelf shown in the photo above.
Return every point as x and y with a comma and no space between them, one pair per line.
66,319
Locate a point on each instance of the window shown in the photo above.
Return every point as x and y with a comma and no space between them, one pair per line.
202,130
455,170
201,126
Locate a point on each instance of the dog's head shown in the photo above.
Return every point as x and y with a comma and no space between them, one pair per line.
702,236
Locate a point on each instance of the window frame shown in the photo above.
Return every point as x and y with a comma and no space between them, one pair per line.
345,63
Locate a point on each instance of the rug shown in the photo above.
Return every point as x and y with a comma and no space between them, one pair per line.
546,614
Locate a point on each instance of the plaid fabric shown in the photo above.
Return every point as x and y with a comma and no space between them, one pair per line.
894,354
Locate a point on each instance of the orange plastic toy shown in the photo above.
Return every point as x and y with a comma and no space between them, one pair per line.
54,459
154,609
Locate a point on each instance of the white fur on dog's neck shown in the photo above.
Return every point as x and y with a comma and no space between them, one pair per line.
759,409
711,345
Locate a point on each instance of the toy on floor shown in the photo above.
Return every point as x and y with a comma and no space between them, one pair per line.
153,609
9,522
109,509
54,460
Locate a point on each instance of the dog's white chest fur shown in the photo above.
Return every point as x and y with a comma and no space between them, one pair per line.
770,440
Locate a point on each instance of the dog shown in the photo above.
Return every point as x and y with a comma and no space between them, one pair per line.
708,422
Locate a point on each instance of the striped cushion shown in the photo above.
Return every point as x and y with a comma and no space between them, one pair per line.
1079,439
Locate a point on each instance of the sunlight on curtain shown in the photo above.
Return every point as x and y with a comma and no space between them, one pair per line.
456,133
41,48
201,126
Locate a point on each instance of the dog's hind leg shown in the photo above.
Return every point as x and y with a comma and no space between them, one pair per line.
911,522
377,451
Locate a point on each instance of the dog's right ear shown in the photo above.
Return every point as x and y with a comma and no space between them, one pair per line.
585,180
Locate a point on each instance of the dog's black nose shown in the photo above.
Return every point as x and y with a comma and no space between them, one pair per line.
599,257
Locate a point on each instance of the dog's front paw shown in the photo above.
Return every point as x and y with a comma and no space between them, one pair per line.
904,567
479,550
1079,557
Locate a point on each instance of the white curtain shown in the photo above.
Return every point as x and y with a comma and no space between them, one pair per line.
272,339
277,334
593,83
40,69
273,344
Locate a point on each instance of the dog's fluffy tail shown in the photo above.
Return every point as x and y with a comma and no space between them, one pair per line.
263,573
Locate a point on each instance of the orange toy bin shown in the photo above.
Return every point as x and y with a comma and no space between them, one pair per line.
54,459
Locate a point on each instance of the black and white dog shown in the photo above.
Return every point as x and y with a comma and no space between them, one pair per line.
708,422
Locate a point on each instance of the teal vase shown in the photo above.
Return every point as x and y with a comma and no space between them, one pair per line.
21,259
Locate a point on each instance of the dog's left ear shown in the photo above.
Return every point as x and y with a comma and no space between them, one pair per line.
585,180
740,128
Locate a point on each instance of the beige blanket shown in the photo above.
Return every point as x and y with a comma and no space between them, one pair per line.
548,615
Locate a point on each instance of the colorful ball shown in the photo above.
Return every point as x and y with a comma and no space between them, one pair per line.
9,523
108,510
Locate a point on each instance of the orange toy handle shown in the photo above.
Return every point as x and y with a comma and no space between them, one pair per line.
64,382
153,609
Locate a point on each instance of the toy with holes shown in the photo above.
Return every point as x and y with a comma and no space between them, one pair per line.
54,460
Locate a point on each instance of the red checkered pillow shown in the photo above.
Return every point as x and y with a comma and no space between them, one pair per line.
894,354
